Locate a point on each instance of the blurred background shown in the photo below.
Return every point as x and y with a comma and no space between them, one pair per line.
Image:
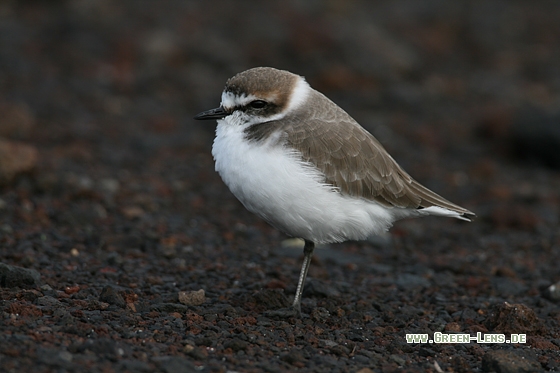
454,90
425,76
107,180
97,99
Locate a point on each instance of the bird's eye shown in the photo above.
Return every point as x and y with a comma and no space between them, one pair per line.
258,104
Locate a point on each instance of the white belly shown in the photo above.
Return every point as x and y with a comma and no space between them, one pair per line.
289,194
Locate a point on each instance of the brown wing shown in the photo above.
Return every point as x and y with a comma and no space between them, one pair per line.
355,162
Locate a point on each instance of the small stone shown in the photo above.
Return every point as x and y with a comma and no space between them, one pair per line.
211,317
133,366
328,343
197,353
174,364
208,339
339,350
133,212
71,289
452,327
271,298
65,356
553,292
365,370
192,298
236,344
320,314
110,295
513,318
12,277
397,359
509,361
48,301
293,357
424,351
15,158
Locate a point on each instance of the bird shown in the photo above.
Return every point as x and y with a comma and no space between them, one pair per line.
297,160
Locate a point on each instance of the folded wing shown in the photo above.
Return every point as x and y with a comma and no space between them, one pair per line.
356,163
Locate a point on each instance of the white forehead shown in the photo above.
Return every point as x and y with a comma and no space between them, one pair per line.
297,97
231,100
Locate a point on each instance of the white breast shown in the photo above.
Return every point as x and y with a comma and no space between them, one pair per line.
272,182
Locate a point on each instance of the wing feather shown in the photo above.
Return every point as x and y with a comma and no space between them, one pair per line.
353,161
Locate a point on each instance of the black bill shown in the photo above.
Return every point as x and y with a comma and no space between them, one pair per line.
216,113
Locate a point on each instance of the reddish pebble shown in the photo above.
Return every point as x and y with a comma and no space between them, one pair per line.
72,289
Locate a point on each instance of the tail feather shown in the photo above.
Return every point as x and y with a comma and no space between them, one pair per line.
440,211
434,204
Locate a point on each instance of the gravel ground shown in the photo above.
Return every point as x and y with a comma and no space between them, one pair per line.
122,251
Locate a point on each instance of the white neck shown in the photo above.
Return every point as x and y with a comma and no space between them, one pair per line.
299,95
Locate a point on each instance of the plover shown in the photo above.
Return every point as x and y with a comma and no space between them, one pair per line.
300,162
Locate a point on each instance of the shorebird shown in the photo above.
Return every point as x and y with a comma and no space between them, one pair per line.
300,162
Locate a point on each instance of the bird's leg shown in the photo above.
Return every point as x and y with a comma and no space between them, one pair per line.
295,309
307,254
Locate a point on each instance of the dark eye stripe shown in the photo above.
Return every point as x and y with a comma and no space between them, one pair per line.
269,108
258,104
